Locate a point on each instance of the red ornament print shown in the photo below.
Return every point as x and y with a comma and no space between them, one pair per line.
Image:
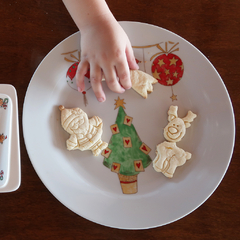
72,70
167,69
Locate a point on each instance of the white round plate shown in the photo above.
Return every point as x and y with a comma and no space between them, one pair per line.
82,183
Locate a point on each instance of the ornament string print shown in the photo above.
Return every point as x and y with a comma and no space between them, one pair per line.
166,66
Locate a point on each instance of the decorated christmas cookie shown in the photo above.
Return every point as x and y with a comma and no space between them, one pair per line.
85,134
142,82
169,156
126,154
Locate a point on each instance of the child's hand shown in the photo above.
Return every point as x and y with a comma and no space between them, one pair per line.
106,50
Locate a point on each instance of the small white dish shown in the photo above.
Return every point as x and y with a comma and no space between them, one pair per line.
10,172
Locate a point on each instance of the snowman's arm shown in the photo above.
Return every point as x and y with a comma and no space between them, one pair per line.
95,121
78,142
84,143
72,142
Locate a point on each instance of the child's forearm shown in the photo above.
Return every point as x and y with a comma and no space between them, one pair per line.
87,12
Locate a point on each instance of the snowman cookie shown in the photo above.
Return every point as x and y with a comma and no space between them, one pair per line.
169,155
85,133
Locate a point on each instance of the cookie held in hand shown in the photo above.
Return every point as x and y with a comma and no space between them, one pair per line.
142,82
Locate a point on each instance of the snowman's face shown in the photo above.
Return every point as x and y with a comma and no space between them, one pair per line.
175,130
80,124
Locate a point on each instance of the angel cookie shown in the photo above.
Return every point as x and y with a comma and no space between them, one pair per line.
142,82
85,134
169,156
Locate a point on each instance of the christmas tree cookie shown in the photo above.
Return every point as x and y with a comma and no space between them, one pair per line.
126,154
85,134
169,155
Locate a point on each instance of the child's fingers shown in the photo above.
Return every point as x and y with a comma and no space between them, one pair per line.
81,71
130,58
96,82
123,74
112,81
